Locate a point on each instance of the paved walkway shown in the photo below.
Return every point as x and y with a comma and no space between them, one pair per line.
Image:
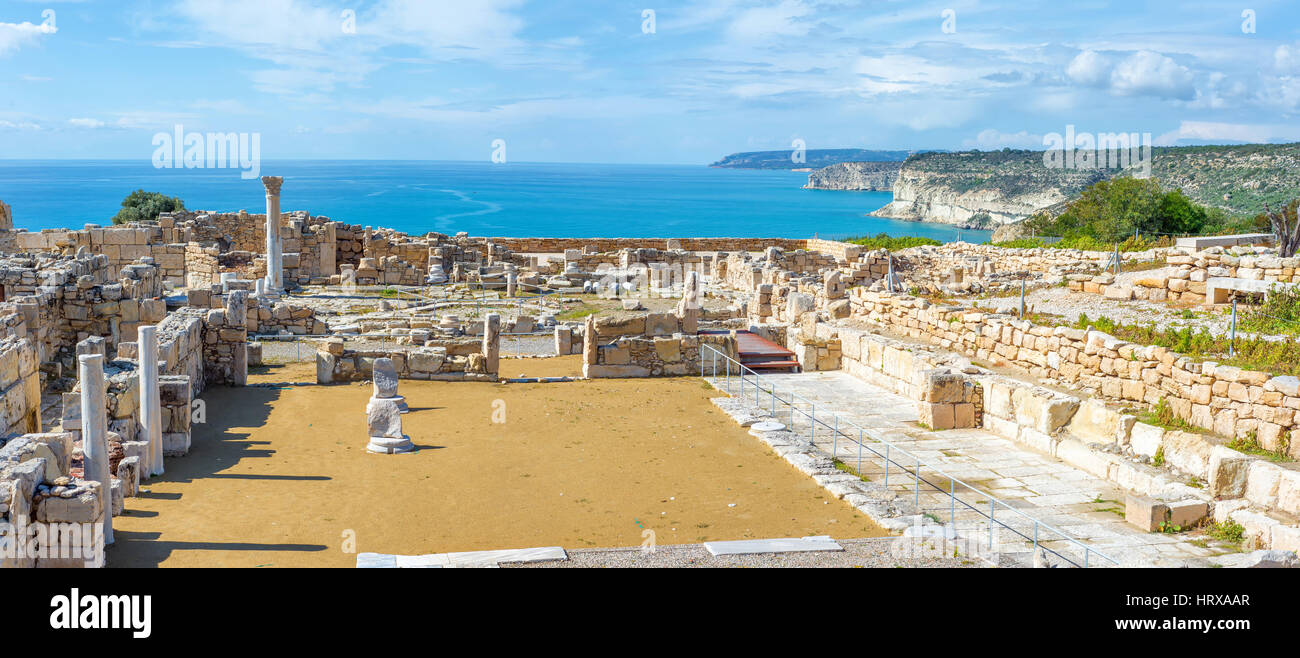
1037,486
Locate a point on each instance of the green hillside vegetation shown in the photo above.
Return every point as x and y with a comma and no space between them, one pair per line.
1237,180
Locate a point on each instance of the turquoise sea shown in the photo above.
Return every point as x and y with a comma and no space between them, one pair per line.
506,200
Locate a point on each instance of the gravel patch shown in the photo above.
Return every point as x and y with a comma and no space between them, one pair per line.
1069,304
870,553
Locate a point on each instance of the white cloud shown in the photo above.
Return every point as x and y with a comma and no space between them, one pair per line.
86,123
1143,73
991,139
1232,132
19,125
1287,58
1090,68
312,51
761,23
16,35
1146,73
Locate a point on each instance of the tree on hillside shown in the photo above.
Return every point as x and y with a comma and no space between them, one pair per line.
1113,210
1286,226
141,206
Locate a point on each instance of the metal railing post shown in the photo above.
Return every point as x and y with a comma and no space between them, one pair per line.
918,483
835,440
812,422
991,511
1232,333
886,465
859,452
952,502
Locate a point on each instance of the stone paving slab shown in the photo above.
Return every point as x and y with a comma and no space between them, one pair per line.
471,559
791,545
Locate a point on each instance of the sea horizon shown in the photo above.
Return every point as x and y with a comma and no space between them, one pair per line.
515,199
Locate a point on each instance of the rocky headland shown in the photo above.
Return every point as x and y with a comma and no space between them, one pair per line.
855,176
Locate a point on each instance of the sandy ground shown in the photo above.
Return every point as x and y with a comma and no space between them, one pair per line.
279,475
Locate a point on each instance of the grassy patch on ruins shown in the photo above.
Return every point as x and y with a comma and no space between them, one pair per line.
1162,416
1279,313
1249,444
1279,357
883,241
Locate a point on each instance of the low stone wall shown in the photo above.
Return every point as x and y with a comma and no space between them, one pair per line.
946,397
465,359
667,356
559,245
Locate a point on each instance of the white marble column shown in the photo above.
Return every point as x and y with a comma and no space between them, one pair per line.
94,433
150,400
274,255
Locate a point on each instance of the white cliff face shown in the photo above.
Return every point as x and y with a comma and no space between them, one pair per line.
925,197
858,176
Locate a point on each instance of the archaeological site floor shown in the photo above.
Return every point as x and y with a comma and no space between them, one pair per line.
279,475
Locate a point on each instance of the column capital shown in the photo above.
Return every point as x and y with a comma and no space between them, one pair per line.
273,184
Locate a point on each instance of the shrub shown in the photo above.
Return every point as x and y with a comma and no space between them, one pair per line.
885,241
141,206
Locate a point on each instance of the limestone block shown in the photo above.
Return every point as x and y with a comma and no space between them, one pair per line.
176,444
1228,471
937,416
1188,452
1187,513
1145,439
1095,422
1145,513
1262,481
661,324
85,507
668,349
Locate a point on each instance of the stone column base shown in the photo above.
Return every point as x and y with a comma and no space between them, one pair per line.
388,446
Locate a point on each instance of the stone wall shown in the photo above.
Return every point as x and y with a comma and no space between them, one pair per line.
20,386
560,245
1224,399
665,356
436,360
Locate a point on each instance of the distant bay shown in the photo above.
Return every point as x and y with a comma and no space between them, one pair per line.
506,200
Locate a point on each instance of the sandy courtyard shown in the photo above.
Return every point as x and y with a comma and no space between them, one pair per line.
279,476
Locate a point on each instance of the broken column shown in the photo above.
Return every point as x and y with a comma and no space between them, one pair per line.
384,377
94,432
512,281
492,343
150,401
689,308
384,413
274,259
236,333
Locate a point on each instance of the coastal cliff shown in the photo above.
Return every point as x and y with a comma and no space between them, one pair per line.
864,176
1008,186
981,190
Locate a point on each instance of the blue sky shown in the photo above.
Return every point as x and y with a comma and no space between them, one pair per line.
581,81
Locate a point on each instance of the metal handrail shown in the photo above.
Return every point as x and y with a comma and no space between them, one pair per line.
891,455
